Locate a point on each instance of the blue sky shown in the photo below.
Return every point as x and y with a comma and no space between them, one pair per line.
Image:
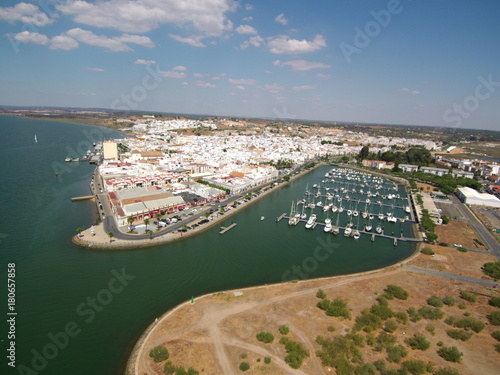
414,62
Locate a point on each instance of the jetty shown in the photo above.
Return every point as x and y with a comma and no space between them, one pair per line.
225,229
84,198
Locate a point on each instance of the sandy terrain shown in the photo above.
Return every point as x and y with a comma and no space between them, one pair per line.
459,232
215,333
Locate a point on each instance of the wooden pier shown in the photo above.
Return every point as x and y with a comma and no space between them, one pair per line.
225,229
281,217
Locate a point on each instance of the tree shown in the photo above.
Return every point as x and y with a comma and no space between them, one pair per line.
79,231
159,353
110,235
130,220
244,366
364,152
146,221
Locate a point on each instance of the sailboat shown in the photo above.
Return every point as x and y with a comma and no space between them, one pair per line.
36,140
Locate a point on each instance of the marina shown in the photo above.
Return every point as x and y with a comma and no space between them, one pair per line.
359,202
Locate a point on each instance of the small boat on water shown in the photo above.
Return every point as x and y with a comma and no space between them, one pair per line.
335,230
368,227
328,225
310,223
67,160
262,218
36,140
347,232
379,229
356,234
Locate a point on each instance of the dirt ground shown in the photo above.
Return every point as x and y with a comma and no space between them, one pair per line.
426,187
489,217
216,333
459,232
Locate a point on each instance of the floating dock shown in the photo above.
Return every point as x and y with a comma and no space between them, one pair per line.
84,198
225,229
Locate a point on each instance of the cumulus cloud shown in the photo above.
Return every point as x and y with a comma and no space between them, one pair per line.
283,44
246,29
301,65
281,19
144,62
31,37
205,84
407,90
27,13
242,81
207,17
273,88
255,41
137,39
96,69
239,87
192,41
176,72
63,42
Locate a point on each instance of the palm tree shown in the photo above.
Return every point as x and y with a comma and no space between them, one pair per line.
130,220
79,230
110,235
158,216
146,221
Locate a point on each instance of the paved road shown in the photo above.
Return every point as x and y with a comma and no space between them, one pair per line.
480,229
448,275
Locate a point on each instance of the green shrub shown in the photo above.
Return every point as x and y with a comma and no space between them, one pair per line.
267,360
159,353
295,354
435,301
494,301
265,337
401,317
462,306
492,269
415,367
497,348
284,329
243,355
380,365
431,313
459,334
440,343
383,311
396,292
418,342
171,369
396,353
339,352
494,318
367,322
390,326
331,328
414,315
462,249
447,371
384,341
468,296
466,323
450,354
244,366
496,335
449,301
427,251
284,340
337,308
321,294
431,329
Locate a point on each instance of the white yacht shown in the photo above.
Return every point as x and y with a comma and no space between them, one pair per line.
328,225
312,220
347,232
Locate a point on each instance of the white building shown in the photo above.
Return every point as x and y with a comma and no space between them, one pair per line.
471,196
110,150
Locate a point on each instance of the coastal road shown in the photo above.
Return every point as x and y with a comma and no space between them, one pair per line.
451,276
480,229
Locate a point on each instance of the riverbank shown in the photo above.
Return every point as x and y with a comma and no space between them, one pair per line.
218,330
97,239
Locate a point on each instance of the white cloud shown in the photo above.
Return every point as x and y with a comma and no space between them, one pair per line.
255,41
179,68
63,42
246,19
137,39
239,87
322,75
192,41
96,69
242,81
248,7
27,13
283,44
301,65
174,73
281,19
88,37
144,62
199,75
207,17
415,92
407,90
31,37
303,88
246,29
205,84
